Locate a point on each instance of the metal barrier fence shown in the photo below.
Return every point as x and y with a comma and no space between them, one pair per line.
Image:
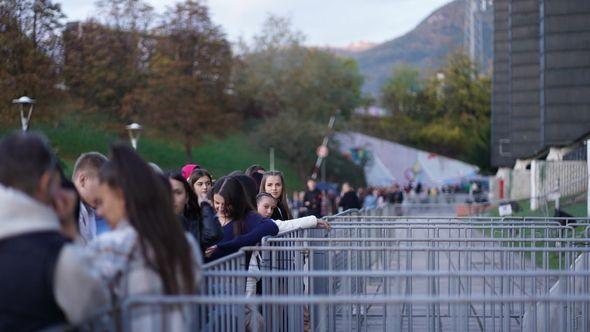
386,215
435,209
408,259
415,255
376,272
513,231
341,272
543,313
449,304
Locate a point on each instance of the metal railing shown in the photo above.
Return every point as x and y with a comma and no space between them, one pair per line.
451,302
372,271
513,231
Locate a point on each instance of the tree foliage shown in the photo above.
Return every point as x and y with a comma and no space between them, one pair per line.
448,114
173,73
29,50
278,75
105,59
293,90
188,76
401,92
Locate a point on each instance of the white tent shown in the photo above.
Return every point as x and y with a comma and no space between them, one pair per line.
387,162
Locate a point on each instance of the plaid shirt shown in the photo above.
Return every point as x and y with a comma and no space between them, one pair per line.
86,224
126,273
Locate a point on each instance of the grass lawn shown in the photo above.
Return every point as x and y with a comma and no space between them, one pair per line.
72,136
545,259
576,210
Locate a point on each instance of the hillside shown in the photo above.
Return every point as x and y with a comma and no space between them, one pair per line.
425,47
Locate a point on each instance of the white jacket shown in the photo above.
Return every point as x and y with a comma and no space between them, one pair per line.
284,227
299,223
77,287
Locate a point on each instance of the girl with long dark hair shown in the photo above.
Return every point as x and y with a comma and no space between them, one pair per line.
273,183
200,181
147,252
197,219
242,226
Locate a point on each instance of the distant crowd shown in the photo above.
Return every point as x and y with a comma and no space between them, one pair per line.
331,201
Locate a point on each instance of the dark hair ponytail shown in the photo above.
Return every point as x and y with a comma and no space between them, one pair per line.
149,209
237,203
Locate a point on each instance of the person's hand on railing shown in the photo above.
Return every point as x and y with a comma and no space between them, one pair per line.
323,224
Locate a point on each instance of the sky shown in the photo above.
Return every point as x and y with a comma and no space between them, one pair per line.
335,23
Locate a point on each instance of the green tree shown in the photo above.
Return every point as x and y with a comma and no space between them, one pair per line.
294,138
293,90
278,74
400,94
448,114
464,108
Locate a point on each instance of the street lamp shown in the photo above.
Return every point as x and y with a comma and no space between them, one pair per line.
23,102
134,130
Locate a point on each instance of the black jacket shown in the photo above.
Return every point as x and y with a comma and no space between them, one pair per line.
313,203
207,231
278,214
396,197
27,300
350,201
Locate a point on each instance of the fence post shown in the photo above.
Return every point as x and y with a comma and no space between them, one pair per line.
535,185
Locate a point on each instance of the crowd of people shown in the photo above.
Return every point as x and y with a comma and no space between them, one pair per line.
334,200
331,201
122,227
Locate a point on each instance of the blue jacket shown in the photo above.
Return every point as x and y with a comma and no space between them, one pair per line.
255,228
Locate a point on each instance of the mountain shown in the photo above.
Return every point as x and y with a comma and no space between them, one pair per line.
425,47
355,47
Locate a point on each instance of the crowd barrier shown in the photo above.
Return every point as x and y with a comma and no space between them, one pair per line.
347,313
432,209
374,272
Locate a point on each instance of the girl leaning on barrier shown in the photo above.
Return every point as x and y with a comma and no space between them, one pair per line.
147,253
242,226
265,205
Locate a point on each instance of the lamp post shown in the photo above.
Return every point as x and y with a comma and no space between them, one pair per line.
134,130
22,103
